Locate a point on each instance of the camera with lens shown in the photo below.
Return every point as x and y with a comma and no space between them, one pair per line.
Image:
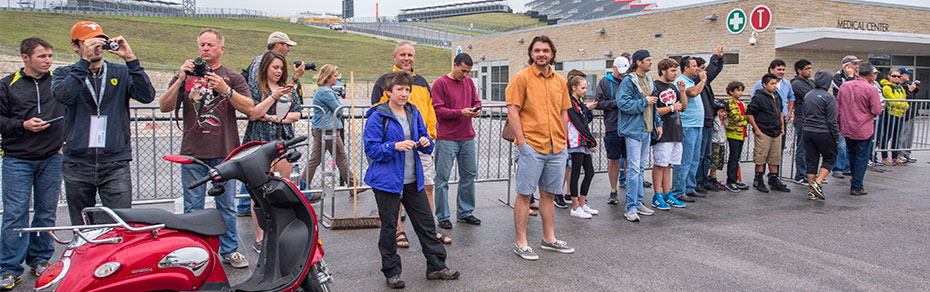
110,45
307,66
340,90
200,68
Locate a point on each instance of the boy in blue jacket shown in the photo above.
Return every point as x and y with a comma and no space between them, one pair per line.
395,174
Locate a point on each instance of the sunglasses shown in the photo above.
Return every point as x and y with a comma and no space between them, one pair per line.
895,76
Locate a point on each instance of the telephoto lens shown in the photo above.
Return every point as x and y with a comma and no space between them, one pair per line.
307,66
200,68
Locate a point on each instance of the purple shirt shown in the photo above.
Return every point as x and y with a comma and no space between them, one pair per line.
449,98
857,105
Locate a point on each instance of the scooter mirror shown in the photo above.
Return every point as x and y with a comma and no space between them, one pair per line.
182,159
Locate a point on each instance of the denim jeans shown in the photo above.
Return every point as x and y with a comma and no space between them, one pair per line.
859,151
85,181
800,155
21,178
842,159
637,152
683,178
703,168
446,153
225,203
245,204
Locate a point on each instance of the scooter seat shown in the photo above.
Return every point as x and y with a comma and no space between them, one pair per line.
207,222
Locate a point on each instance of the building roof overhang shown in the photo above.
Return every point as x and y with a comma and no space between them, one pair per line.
847,40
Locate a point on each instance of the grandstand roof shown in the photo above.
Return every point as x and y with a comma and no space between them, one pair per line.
449,5
454,9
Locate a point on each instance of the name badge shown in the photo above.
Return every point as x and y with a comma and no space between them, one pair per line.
98,132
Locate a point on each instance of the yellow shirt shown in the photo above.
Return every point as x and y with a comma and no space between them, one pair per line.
541,99
420,97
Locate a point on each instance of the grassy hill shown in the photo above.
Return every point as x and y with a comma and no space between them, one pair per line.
493,19
170,40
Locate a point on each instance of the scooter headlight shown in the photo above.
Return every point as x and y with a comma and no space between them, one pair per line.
106,269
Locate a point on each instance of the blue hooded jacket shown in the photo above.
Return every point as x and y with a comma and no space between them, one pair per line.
386,170
632,104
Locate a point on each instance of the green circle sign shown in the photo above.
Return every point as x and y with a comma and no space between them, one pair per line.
736,21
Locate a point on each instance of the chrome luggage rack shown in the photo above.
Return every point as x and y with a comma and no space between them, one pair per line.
89,232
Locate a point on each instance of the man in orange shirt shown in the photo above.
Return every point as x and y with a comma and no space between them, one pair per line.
537,109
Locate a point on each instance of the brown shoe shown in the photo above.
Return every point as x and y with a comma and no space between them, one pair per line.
395,282
861,192
444,274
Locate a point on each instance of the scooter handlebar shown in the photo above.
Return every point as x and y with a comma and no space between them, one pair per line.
294,141
199,182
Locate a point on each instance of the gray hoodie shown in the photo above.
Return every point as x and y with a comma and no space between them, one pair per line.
820,107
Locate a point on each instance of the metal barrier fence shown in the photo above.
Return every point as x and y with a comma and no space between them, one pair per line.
155,134
437,37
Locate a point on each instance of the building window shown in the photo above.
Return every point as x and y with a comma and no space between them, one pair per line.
499,79
558,66
592,85
610,64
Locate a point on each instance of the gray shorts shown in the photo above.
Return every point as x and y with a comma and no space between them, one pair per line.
535,169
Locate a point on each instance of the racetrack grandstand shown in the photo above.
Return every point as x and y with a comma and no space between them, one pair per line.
578,10
453,9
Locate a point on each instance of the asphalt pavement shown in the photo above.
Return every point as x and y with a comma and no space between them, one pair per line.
747,241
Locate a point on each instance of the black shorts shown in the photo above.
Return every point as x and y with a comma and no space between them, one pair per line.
819,146
616,146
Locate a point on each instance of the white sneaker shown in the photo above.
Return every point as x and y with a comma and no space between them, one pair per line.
642,210
587,209
580,213
236,260
631,216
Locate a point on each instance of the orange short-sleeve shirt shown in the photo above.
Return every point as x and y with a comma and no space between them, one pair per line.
541,99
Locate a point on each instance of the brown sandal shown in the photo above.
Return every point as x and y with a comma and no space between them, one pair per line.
402,242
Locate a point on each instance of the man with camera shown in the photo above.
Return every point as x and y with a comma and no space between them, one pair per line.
911,88
211,95
281,43
96,96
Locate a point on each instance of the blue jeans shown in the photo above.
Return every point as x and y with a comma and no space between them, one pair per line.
859,151
637,152
701,174
225,203
800,155
22,177
445,155
842,158
683,178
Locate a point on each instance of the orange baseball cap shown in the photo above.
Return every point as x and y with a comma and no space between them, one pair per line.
85,30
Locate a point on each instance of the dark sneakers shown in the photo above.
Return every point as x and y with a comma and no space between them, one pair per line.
700,189
444,274
395,282
445,224
471,219
560,202
686,198
777,185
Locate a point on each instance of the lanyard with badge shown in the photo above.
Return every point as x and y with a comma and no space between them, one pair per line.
98,123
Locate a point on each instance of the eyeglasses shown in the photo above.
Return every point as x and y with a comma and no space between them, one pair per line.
895,76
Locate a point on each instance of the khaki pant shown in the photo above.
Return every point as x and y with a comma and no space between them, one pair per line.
767,150
316,156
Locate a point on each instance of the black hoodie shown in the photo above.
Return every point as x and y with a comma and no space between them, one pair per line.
820,107
21,98
766,110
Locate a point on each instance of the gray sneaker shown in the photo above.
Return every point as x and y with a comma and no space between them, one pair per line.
558,245
525,252
631,216
39,268
642,210
9,281
236,260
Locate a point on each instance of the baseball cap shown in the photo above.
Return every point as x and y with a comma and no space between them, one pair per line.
280,37
622,64
639,56
903,70
86,30
851,59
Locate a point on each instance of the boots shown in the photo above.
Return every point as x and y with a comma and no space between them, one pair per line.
776,184
759,183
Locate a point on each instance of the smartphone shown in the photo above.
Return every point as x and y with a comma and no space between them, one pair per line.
290,86
476,109
54,120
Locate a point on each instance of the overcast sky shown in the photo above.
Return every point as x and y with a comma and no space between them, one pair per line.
366,8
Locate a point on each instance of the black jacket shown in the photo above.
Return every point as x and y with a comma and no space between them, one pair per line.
21,98
801,87
605,94
766,110
579,116
838,80
714,66
820,107
122,83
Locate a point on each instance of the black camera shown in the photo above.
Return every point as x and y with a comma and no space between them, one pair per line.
307,66
340,90
200,68
110,45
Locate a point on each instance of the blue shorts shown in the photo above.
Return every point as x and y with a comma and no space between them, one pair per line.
616,146
534,169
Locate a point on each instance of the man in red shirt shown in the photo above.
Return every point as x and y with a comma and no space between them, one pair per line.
857,105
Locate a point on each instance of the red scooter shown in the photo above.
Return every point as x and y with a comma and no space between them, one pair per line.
154,250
